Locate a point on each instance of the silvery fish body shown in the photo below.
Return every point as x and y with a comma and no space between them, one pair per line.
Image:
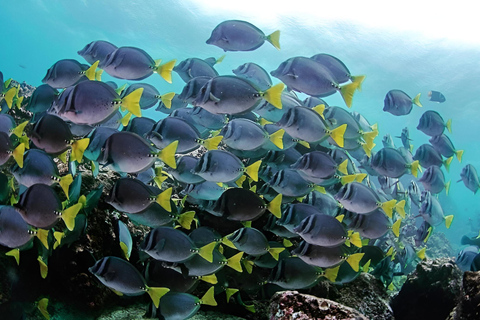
97,140
322,230
358,198
171,129
431,209
65,73
443,145
183,172
372,226
433,179
414,192
14,231
428,156
338,69
40,206
323,257
150,95
140,125
316,165
219,166
97,50
243,134
168,244
323,201
390,162
130,195
293,273
304,124
207,119
250,240
194,67
431,123
254,73
42,99
38,167
337,116
192,89
295,214
290,183
398,103
470,178
129,63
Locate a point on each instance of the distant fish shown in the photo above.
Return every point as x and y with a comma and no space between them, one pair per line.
432,124
433,180
470,178
97,50
436,96
67,72
238,35
444,145
399,103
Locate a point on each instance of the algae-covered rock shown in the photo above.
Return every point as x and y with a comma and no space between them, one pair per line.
430,292
289,305
469,305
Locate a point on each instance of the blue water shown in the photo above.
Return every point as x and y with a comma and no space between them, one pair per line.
37,33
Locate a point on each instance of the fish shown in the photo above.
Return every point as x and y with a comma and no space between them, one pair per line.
206,190
150,95
316,166
140,125
405,137
180,305
208,120
432,212
239,35
414,193
223,166
68,72
390,162
132,63
194,67
253,242
469,177
97,137
171,129
8,150
423,233
240,204
40,207
128,152
308,125
433,180
92,102
432,124
388,141
295,213
97,51
130,195
244,134
374,225
465,258
41,99
337,116
398,103
436,96
124,238
325,231
254,73
172,245
290,183
270,113
52,135
175,103
323,201
293,273
445,147
183,172
428,156
122,277
192,89
338,69
234,95
310,77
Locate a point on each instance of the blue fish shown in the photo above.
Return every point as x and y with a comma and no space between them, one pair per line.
399,103
97,51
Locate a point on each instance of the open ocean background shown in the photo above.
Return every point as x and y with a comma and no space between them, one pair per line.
411,46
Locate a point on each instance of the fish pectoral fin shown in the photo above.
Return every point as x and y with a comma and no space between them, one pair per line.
160,245
213,98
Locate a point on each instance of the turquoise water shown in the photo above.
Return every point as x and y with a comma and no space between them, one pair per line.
412,58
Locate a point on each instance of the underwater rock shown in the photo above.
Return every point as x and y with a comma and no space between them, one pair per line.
288,305
430,292
438,246
469,305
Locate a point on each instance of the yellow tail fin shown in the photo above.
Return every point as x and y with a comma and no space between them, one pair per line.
42,307
400,208
348,179
165,70
358,80
354,260
448,221
340,217
252,170
388,206
42,235
447,187
156,294
331,273
206,252
43,267
449,125
209,297
459,154
132,102
337,134
274,95
212,279
212,143
447,163
421,253
14,253
18,154
275,206
69,214
366,266
167,155
90,72
126,119
18,131
78,148
186,218
342,167
396,227
416,100
234,262
356,240
277,138
230,292
414,167
275,252
65,183
98,75
167,99
274,39
163,199
347,92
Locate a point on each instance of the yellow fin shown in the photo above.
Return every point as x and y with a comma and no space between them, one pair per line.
65,183
253,188
42,307
167,155
234,262
447,163
331,273
337,134
347,92
220,59
212,143
25,140
167,99
212,279
416,100
206,252
209,297
304,143
248,265
342,167
447,187
340,217
359,177
264,121
274,94
43,267
320,189
354,260
348,179
186,218
18,131
98,75
366,266
320,109
368,151
69,214
63,157
421,253
370,137
18,154
239,181
448,221
275,252
358,80
119,90
14,253
252,170
459,154
156,294
228,243
78,148
163,199
274,39
9,97
449,125
126,119
230,292
400,208
247,224
125,250
389,252
132,102
165,70
275,206
287,243
391,287
90,72
58,237
277,138
355,239
414,167
388,206
250,308
396,227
